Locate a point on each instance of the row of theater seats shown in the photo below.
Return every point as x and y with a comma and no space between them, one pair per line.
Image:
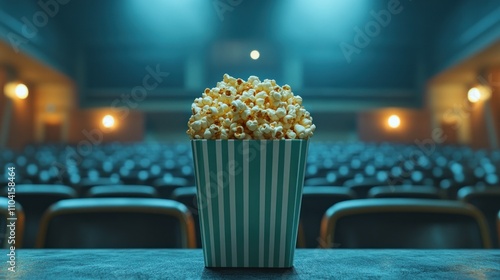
107,223
447,168
361,166
54,200
334,172
317,200
147,164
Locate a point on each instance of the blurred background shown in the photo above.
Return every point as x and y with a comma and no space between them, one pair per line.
355,64
99,92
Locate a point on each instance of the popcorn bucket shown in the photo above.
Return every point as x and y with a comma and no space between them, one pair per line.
249,196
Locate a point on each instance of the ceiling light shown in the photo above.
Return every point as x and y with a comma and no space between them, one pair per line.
255,54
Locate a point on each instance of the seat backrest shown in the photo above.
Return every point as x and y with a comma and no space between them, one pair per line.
406,191
187,196
123,191
404,223
498,225
363,186
135,177
36,200
117,223
487,200
6,216
87,183
166,186
315,201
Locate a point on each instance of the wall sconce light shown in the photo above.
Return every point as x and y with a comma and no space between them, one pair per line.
394,121
479,93
108,121
15,90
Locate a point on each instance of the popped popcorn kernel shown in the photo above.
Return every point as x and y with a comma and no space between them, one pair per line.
207,134
251,109
252,125
291,135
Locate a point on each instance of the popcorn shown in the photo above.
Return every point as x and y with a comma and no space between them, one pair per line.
207,134
291,135
281,112
196,125
252,125
252,109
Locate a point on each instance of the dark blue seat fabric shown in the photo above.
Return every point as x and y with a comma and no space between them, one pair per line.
487,200
404,223
117,223
315,201
406,191
123,191
36,200
187,196
5,212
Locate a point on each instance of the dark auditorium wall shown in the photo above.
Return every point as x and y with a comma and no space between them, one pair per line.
28,28
54,103
51,97
86,127
167,126
467,29
21,120
330,126
479,133
494,80
415,126
335,126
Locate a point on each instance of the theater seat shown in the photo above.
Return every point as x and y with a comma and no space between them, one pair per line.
404,223
36,199
319,181
405,191
301,237
498,225
117,223
167,184
123,191
4,230
87,183
362,187
187,196
135,177
487,200
315,201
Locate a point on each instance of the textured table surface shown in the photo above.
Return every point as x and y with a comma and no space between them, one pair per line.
309,264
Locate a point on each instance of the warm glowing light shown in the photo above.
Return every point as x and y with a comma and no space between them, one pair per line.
479,93
108,121
394,121
16,90
22,91
474,95
255,54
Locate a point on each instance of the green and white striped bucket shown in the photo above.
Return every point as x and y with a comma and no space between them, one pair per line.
249,196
